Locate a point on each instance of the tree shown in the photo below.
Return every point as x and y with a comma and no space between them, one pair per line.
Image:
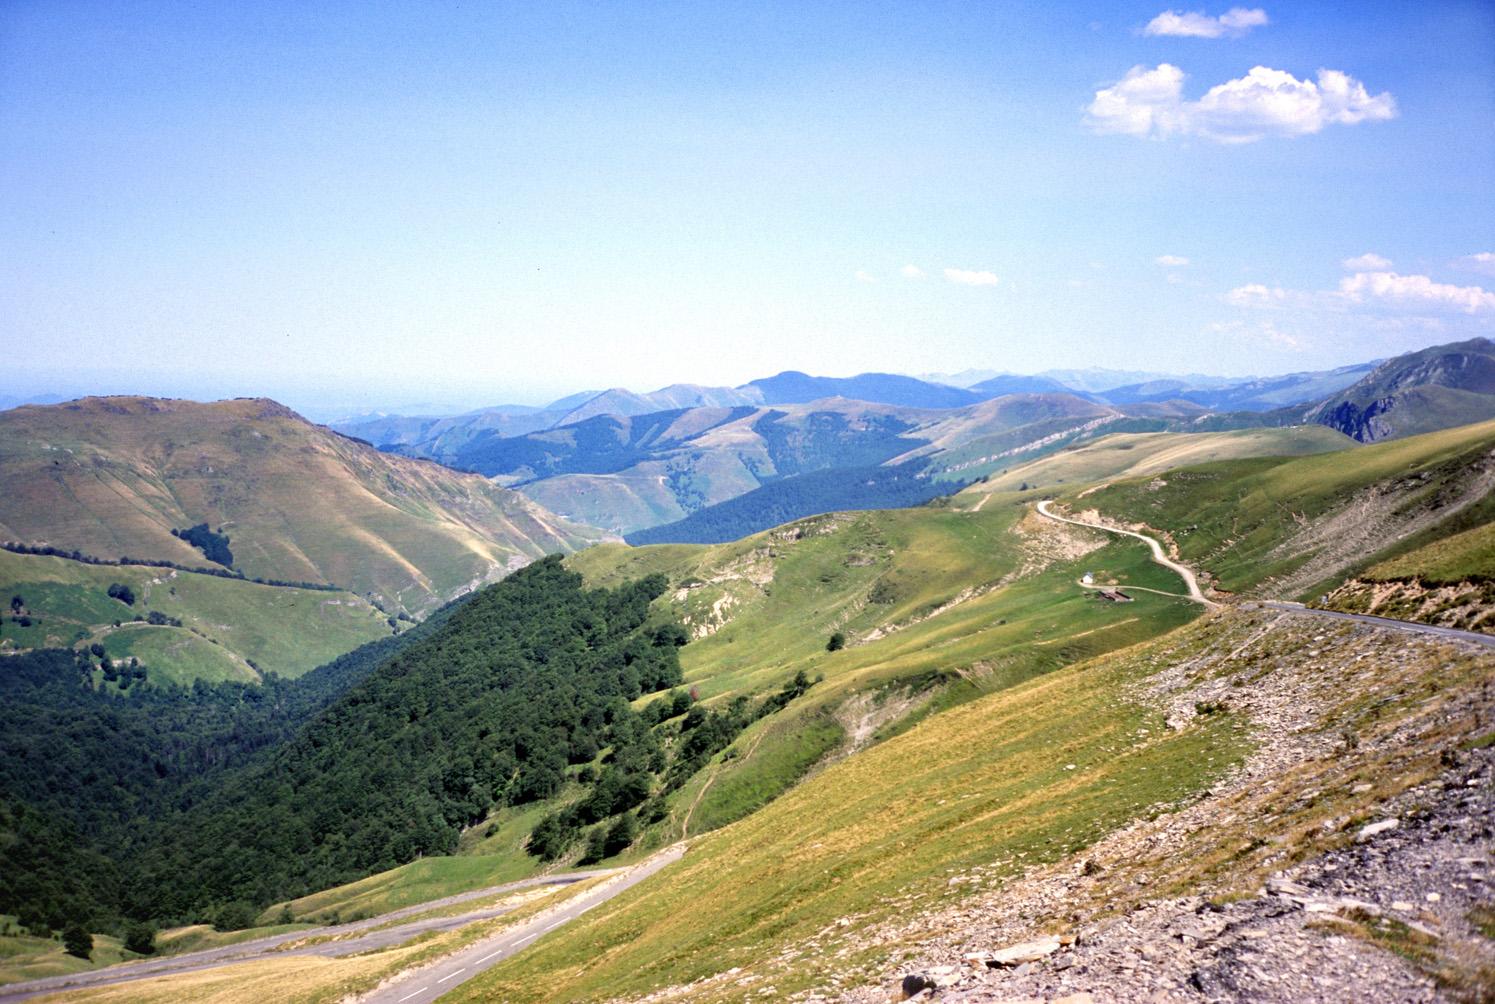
620,835
16,603
596,847
123,593
235,916
140,938
836,643
77,941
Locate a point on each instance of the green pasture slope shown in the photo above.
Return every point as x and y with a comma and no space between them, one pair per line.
1026,775
1248,521
936,607
226,624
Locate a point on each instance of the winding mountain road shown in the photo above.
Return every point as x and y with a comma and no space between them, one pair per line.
1161,557
1158,554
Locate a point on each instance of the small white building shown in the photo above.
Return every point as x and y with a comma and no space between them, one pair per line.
1088,579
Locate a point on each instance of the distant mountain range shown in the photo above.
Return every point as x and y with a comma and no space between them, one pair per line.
627,462
444,438
632,462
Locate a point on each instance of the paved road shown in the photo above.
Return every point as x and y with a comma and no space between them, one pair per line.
1410,626
430,982
349,941
1158,554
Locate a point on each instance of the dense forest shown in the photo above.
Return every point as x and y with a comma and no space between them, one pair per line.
207,803
792,498
91,771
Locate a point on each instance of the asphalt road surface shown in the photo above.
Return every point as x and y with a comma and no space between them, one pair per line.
349,940
430,982
1386,622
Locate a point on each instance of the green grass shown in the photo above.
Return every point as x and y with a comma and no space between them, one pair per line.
817,576
878,835
1234,517
226,623
932,600
866,572
773,767
1455,558
176,654
417,882
23,957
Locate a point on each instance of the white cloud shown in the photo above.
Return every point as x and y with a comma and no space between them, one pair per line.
1482,262
1264,332
1273,335
1255,295
1416,290
1175,279
1171,260
865,277
1236,21
971,277
1265,102
912,272
1366,263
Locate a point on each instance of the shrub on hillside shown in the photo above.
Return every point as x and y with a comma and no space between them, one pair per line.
77,941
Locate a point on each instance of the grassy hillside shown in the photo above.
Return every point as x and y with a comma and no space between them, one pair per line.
230,629
1126,455
937,607
114,476
1028,775
813,892
1296,527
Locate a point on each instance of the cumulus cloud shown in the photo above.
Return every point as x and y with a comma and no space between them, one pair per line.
1366,263
1234,22
912,272
971,277
865,276
1414,290
1265,102
1482,262
1171,260
1256,295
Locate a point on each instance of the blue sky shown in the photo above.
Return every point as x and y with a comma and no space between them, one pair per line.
474,203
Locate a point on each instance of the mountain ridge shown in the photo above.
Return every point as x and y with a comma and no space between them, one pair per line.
113,476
